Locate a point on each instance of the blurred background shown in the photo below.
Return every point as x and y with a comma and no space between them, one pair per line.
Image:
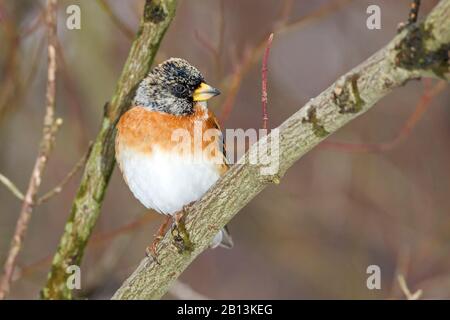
375,193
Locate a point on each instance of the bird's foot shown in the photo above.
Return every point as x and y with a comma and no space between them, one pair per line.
151,250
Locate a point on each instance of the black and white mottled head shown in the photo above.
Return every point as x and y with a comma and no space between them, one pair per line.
173,87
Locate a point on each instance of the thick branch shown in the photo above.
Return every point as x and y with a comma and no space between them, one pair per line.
349,97
86,207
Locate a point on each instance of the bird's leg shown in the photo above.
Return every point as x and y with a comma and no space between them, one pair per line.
151,249
179,232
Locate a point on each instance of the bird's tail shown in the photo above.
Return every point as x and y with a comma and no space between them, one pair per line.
222,239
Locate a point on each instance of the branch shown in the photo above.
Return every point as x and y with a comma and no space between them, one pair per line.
349,97
264,82
116,20
404,287
59,187
48,136
11,187
156,18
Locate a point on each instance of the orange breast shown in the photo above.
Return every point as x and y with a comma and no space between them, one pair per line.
141,130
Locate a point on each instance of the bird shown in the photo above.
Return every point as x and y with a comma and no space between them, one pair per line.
166,173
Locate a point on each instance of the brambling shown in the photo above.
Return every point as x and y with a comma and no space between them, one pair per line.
161,172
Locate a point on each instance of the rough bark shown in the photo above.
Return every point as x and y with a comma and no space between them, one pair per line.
86,207
419,50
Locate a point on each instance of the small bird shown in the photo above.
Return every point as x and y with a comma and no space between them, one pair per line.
162,173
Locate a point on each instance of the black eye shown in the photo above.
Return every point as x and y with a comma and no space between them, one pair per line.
179,90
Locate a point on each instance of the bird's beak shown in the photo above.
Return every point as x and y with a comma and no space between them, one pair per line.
205,92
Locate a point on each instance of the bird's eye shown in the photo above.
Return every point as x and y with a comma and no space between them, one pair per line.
179,89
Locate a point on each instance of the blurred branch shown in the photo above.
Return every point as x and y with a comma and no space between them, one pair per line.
73,98
11,187
156,18
264,82
65,180
116,20
349,97
10,84
404,287
96,241
49,130
35,24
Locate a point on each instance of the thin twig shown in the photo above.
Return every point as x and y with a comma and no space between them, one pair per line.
49,130
66,179
11,187
34,25
404,287
209,47
264,82
96,241
116,20
74,103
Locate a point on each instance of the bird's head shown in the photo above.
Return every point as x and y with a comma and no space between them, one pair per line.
173,87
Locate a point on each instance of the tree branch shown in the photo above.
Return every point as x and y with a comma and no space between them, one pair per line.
59,187
11,187
48,137
86,207
419,50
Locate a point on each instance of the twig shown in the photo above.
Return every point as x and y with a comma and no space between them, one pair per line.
209,47
321,12
264,82
76,111
96,241
349,97
285,12
156,19
35,24
49,130
116,20
404,287
66,179
11,187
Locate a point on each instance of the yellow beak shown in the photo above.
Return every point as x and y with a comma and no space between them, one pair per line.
205,92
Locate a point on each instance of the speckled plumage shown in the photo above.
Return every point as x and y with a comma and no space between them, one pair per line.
159,90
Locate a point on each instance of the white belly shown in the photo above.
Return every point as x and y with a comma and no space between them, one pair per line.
164,181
